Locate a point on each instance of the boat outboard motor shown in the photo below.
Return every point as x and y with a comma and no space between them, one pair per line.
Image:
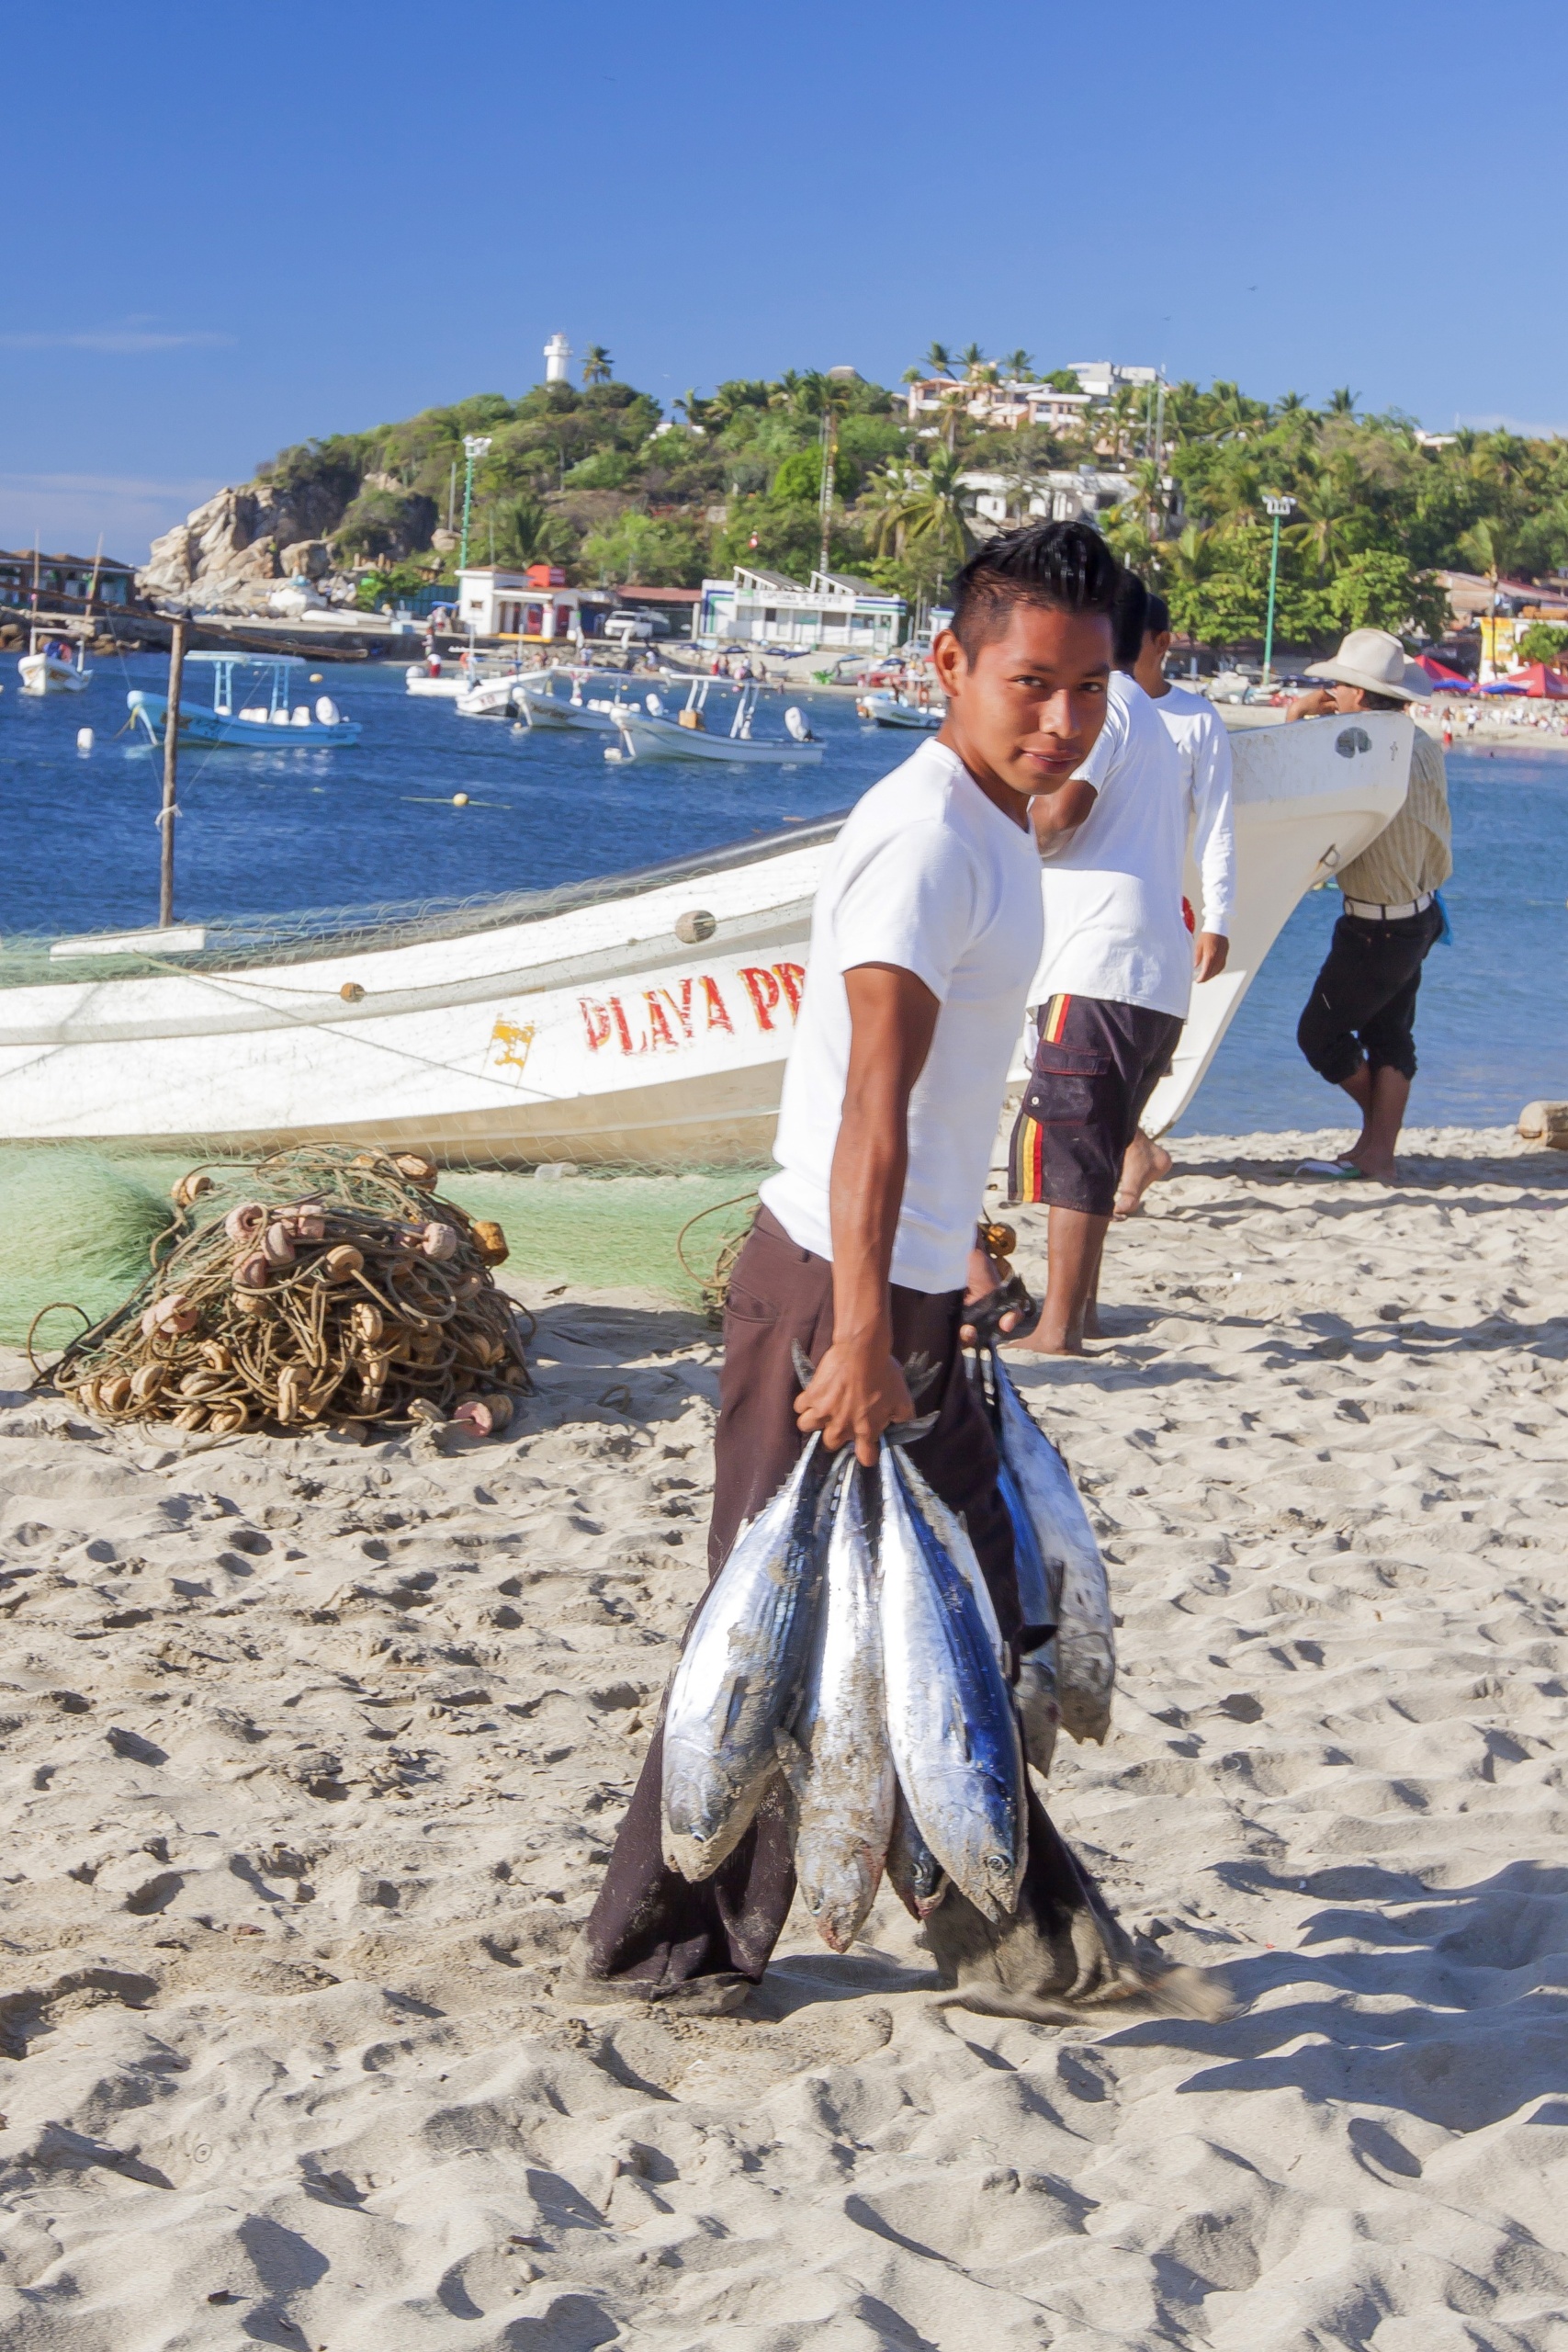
655,706
327,711
799,725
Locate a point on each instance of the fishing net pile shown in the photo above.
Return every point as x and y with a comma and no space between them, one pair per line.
323,1285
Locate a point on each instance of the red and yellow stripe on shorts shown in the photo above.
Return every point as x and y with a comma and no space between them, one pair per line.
1026,1172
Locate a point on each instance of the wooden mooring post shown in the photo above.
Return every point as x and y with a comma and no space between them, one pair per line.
171,761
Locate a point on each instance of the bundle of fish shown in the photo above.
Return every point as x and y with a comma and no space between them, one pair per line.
336,1289
850,1642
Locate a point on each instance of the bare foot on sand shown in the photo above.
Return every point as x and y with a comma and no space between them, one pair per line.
1143,1165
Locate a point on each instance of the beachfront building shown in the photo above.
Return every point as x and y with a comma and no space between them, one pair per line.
533,603
65,583
765,609
1001,502
999,406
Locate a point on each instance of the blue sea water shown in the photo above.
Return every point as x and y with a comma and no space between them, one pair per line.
270,831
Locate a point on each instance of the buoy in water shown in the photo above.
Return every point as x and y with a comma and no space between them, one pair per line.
459,800
83,739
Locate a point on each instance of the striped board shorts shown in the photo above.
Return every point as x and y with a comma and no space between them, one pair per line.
1096,1065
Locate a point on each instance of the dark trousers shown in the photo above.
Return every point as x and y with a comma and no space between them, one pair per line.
649,1927
1362,1006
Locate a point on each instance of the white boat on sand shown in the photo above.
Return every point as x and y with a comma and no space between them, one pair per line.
642,1019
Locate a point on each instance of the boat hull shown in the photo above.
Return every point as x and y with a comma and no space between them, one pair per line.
42,673
666,738
595,1033
237,734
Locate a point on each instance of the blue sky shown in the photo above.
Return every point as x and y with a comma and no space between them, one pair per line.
240,226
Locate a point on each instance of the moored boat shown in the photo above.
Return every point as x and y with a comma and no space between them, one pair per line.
268,725
651,734
640,1019
47,667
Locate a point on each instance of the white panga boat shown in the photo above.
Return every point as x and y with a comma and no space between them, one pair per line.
562,698
891,711
643,1018
47,667
651,734
266,724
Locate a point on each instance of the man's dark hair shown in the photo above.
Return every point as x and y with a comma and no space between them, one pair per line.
1156,618
1130,618
1065,566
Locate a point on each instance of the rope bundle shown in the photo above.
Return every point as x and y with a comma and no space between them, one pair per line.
337,1288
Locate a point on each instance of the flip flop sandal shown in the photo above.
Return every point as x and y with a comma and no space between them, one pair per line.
1337,1171
983,1315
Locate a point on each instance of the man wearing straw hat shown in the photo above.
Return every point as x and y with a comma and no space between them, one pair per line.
1358,1030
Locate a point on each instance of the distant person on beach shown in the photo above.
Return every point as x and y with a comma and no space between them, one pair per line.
1203,746
1359,1028
925,936
1116,976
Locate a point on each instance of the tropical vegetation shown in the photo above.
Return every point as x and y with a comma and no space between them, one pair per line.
598,479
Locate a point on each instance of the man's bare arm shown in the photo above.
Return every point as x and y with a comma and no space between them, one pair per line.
859,1388
1054,814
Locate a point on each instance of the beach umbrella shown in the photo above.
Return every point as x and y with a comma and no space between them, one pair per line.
1452,681
1536,679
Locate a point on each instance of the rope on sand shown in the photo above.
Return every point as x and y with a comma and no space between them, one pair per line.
715,1285
342,1290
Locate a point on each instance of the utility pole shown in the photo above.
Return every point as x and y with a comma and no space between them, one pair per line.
170,758
825,498
1279,508
475,444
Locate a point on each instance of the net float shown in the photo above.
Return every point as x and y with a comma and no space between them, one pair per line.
229,1417
486,1416
366,1322
251,1272
175,1313
439,1241
291,1382
114,1394
341,1265
216,1356
279,1244
191,1416
245,1222
491,1241
415,1167
145,1383
203,1384
186,1189
308,1222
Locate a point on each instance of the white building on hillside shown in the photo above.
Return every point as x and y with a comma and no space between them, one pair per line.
1002,406
765,609
1001,502
1102,379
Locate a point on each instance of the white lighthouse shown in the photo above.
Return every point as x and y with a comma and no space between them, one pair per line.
557,360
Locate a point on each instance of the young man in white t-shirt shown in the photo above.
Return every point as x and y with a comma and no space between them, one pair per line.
1203,746
925,936
1115,979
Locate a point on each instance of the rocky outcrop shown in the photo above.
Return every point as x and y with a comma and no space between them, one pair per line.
229,555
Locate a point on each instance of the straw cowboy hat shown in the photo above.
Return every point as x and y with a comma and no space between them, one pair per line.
1372,659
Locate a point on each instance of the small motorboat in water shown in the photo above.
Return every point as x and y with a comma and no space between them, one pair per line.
268,725
47,667
651,734
891,711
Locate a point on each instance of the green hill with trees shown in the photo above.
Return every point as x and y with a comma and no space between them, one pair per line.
595,478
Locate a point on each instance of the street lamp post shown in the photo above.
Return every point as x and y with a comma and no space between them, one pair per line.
1279,508
474,448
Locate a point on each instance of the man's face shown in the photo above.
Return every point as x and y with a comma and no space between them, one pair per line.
1025,712
1348,698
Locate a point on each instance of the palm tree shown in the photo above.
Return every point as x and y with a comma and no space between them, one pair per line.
923,506
1342,402
1019,366
597,365
972,359
1492,545
691,407
939,359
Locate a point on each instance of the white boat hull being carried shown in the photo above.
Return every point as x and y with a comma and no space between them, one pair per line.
644,1020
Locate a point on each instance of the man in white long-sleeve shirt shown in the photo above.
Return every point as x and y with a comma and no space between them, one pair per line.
1115,980
1203,745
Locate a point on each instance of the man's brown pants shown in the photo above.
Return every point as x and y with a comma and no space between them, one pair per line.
650,1930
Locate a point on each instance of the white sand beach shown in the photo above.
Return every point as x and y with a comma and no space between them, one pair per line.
311,1756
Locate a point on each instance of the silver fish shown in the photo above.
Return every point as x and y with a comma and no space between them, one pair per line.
836,1756
739,1677
1086,1641
950,1718
913,1872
